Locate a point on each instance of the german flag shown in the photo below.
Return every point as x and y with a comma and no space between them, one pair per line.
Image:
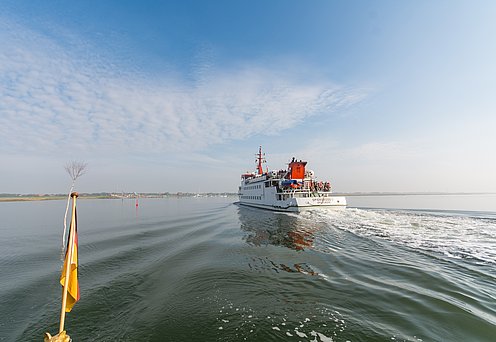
73,286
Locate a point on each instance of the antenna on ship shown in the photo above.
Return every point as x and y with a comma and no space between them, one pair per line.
260,159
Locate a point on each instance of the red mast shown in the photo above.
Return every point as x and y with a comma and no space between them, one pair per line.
260,159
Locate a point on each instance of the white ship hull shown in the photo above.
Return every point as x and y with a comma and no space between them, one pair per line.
298,204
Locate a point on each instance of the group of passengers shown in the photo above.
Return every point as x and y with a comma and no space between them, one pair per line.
320,186
312,185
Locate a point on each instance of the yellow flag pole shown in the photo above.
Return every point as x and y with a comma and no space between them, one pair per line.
72,230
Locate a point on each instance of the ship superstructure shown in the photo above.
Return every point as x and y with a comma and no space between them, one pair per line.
286,190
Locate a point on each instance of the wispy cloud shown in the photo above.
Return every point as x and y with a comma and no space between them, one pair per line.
54,98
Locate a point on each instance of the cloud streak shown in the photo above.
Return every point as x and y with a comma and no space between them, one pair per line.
55,100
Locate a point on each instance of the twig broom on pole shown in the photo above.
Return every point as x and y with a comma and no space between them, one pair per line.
68,279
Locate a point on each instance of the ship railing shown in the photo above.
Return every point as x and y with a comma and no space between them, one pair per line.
304,193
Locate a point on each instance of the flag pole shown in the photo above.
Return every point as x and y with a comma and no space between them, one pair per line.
72,230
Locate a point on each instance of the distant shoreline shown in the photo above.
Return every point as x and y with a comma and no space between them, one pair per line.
44,198
54,197
27,199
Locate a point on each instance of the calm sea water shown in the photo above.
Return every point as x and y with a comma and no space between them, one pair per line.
389,268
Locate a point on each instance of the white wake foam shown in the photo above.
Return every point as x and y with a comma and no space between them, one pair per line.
455,236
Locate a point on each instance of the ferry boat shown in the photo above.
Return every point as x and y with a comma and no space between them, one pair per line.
286,190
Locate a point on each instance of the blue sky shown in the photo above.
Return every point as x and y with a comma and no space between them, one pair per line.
177,96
